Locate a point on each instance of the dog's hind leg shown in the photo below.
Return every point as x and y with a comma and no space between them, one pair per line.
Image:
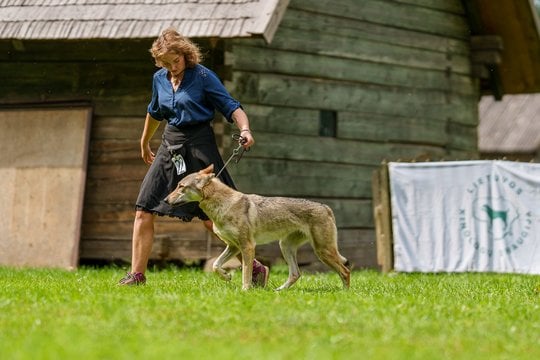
289,247
334,260
325,246
225,256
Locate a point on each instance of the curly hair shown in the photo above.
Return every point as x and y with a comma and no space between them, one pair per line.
170,41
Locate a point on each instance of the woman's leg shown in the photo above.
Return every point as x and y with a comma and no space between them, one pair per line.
142,240
260,271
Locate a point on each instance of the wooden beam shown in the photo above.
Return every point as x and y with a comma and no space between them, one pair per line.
383,218
486,57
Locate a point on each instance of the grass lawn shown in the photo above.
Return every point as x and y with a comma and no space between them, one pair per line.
188,314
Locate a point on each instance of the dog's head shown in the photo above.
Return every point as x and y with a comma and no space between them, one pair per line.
190,188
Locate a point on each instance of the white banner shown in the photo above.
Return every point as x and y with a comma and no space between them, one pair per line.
481,216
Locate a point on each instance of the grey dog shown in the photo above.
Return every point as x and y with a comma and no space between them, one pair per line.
244,220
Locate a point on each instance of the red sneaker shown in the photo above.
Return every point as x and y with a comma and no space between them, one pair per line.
133,279
260,274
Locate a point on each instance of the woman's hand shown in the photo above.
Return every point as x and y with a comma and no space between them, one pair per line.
241,120
150,127
147,154
246,139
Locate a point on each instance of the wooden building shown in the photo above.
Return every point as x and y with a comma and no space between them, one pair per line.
332,88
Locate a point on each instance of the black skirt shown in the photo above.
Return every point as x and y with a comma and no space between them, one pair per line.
199,150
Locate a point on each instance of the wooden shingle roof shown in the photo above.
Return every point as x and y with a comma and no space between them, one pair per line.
107,19
511,125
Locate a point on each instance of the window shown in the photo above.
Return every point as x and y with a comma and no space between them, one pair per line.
328,123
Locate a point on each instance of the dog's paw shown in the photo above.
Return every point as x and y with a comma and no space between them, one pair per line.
223,274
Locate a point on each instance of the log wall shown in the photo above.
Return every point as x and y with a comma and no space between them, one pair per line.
114,78
395,74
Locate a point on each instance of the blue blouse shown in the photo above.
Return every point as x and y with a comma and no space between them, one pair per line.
200,93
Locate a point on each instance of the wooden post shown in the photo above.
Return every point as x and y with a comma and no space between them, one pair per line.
383,218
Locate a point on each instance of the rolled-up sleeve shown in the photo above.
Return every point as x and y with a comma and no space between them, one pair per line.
153,107
219,96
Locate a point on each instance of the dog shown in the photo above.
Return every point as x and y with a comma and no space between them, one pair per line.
494,215
244,220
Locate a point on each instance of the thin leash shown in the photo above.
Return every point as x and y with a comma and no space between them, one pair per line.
237,153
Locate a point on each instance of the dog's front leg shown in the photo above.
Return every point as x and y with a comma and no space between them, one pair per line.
248,255
225,256
289,249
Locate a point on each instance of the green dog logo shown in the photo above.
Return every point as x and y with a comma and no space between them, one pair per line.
498,214
494,214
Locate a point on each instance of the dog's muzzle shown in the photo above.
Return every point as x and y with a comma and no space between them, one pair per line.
174,203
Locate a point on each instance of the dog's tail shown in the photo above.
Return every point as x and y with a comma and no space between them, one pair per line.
342,258
330,212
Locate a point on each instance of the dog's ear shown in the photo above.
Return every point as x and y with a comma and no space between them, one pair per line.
203,178
207,178
208,170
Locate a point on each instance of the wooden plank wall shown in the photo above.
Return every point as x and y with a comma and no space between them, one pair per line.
42,185
397,74
114,77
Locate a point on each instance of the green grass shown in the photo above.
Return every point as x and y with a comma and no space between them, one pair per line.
187,314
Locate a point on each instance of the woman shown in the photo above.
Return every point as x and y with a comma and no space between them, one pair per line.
185,94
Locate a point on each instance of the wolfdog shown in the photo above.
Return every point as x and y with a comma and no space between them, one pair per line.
244,220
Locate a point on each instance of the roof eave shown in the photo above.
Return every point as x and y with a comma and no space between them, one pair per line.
268,23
